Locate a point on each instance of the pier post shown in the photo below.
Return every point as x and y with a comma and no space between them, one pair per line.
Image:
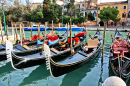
2,34
20,36
71,37
104,40
7,33
31,29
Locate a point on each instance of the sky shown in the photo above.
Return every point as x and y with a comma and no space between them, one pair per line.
83,0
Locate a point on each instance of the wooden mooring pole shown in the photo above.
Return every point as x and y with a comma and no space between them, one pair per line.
71,37
16,33
52,26
2,34
31,29
104,40
45,32
23,32
7,33
20,36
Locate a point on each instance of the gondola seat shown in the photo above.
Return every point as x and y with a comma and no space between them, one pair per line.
120,47
26,47
92,43
54,50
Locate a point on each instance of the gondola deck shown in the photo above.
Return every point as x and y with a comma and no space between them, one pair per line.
73,61
19,49
120,64
79,56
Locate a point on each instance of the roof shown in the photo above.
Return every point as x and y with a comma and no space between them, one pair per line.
92,8
76,2
113,3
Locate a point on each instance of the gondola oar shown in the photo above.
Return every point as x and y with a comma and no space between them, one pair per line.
104,40
2,35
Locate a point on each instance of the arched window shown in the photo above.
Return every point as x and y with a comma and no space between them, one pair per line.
94,13
129,14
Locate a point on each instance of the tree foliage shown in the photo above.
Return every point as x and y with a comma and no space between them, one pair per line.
90,16
46,4
109,13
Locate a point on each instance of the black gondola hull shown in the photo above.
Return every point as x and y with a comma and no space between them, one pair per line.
20,63
58,70
114,62
3,55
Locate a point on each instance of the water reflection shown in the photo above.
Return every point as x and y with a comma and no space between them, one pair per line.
100,79
80,77
75,77
38,74
6,69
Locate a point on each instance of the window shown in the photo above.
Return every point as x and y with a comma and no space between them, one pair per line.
116,7
94,13
123,15
98,15
98,8
124,7
112,6
85,13
129,14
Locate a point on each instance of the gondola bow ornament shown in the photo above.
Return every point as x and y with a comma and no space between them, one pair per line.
9,48
47,54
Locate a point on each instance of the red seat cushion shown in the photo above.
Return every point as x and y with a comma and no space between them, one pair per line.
69,40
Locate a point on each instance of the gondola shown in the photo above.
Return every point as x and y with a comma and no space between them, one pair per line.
85,54
28,42
37,48
23,59
119,59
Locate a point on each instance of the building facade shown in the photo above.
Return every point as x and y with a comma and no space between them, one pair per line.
128,14
121,6
34,6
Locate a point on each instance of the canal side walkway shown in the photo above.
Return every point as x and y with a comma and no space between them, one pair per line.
93,28
126,28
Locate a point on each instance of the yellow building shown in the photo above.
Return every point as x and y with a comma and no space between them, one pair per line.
121,6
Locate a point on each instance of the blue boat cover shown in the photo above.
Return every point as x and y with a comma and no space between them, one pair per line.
50,42
38,42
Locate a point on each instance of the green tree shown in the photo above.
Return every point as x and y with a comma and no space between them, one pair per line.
46,4
90,16
71,10
81,19
79,14
109,13
54,12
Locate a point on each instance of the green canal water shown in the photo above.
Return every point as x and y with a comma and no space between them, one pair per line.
93,73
